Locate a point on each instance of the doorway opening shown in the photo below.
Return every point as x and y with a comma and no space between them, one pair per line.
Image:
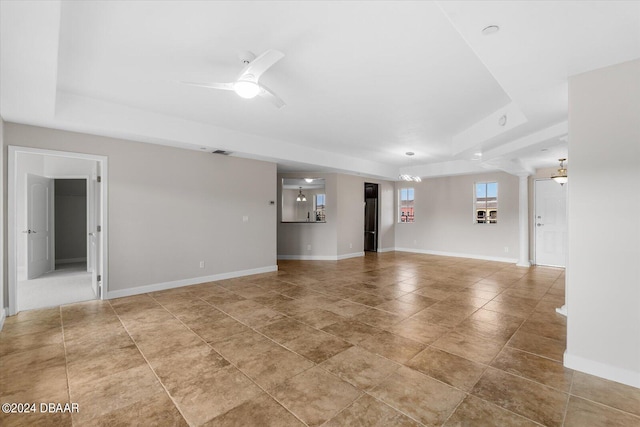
550,215
57,224
370,217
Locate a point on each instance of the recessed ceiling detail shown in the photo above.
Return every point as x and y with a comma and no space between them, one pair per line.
113,69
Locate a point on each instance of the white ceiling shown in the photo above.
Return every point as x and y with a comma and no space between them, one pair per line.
364,82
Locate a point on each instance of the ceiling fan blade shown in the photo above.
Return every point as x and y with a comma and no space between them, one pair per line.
222,86
266,93
261,64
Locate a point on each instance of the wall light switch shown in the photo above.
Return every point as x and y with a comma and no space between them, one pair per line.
201,264
245,218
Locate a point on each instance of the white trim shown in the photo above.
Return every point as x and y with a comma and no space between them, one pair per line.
309,257
70,260
320,257
187,282
3,315
602,370
458,255
386,249
13,151
351,255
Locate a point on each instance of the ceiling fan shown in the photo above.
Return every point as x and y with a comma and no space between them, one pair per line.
247,84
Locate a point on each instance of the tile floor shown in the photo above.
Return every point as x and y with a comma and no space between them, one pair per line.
388,339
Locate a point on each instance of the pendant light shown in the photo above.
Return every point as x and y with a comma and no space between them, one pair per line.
561,176
301,197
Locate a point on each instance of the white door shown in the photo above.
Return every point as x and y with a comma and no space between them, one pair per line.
550,222
39,232
95,236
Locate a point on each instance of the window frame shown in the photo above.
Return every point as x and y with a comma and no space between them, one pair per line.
486,211
412,207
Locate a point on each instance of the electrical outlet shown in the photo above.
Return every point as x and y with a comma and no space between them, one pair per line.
506,249
201,264
245,218
415,242
308,247
350,245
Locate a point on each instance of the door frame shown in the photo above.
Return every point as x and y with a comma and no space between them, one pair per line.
12,232
378,238
535,233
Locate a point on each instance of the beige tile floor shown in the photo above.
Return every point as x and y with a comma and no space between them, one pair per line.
388,339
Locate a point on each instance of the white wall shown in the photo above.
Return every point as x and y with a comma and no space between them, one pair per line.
603,269
444,215
170,208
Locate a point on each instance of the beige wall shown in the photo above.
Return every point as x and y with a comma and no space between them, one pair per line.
603,268
3,205
171,208
343,233
444,218
350,214
294,239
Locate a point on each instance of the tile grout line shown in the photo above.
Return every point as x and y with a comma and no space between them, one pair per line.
230,363
66,362
147,362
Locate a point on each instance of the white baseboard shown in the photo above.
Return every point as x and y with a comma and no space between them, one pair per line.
3,315
320,257
187,282
351,255
70,260
602,370
458,255
386,249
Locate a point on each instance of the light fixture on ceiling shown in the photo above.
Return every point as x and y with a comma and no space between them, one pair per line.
561,176
491,29
301,197
409,153
477,155
246,89
502,121
405,177
308,180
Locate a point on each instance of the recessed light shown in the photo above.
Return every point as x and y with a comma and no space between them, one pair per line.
502,120
203,148
544,149
410,153
491,29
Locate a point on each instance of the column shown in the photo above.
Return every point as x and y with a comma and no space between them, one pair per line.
523,221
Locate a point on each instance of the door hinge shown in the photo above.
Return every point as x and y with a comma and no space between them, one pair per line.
99,278
99,228
99,178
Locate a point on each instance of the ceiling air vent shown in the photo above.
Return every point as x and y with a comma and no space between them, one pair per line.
222,152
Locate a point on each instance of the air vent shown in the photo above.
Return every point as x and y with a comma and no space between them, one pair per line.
222,152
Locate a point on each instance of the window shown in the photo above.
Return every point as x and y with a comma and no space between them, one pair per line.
406,205
319,207
486,203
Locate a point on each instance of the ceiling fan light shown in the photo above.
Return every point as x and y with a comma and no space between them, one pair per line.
246,89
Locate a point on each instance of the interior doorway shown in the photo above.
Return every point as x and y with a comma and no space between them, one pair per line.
370,217
550,215
57,224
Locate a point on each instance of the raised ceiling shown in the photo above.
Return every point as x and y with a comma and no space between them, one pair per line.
364,82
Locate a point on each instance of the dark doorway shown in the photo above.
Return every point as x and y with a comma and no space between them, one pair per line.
370,217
